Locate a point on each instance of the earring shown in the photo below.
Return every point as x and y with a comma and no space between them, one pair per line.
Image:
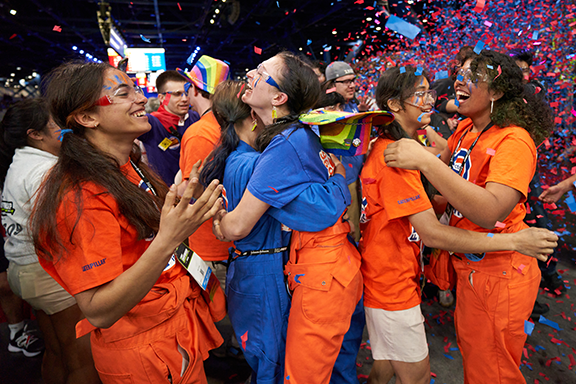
95,125
274,113
254,124
491,105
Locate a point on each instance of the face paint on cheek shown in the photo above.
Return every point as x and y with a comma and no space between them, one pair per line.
256,82
421,82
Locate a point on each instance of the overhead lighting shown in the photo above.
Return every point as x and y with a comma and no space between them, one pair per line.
34,74
12,74
74,48
368,19
13,12
378,28
334,32
81,52
217,10
211,21
300,48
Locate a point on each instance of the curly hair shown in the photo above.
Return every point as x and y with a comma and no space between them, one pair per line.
517,106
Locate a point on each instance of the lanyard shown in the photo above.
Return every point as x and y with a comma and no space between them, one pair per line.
144,178
469,150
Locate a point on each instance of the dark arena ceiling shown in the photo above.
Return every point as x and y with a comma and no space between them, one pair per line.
37,35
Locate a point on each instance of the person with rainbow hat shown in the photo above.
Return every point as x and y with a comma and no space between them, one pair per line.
197,143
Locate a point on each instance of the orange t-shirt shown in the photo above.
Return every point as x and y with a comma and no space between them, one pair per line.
104,244
501,155
197,143
389,246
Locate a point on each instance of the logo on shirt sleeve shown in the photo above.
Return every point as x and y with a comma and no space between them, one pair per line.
95,264
7,208
328,163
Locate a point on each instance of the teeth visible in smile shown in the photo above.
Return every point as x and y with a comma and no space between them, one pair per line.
460,93
139,114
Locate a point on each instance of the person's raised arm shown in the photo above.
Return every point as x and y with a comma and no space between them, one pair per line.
555,192
482,206
534,242
107,303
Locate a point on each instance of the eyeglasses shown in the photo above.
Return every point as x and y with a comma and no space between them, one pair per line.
345,82
466,75
266,77
124,94
422,98
177,93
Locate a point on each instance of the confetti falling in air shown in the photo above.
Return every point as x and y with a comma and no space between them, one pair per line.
57,28
257,50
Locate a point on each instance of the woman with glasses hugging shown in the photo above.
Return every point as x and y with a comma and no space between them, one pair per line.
106,227
398,215
491,158
323,270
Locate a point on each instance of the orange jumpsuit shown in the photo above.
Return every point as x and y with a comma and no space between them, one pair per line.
174,320
324,275
497,293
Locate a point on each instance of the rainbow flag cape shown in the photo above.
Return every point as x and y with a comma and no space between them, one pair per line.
344,133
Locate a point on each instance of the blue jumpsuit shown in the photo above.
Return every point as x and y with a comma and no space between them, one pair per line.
258,301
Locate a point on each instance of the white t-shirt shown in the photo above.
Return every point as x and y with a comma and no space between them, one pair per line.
24,177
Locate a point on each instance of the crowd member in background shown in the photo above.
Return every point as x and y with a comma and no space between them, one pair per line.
105,227
169,122
21,339
258,301
319,68
536,215
446,119
197,144
397,214
323,270
198,141
496,290
29,148
340,78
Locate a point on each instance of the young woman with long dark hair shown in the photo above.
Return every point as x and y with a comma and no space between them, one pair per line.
397,216
106,228
258,301
323,270
29,147
494,152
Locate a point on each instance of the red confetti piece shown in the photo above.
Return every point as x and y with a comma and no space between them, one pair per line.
499,225
257,50
57,28
490,152
13,36
179,7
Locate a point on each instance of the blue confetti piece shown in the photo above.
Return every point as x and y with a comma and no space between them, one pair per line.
479,47
145,39
402,27
535,35
367,341
571,202
489,66
438,155
490,235
528,327
402,70
441,75
432,381
460,77
448,356
549,323
287,377
257,22
418,71
456,102
278,4
308,42
454,349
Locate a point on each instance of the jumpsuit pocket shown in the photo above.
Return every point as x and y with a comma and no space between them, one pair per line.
521,298
245,311
115,378
328,307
